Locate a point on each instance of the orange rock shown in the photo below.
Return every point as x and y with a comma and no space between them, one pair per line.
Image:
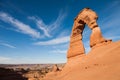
101,63
55,68
89,17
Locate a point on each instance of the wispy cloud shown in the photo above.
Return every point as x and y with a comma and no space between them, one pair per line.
23,28
65,32
61,46
59,51
111,22
48,28
41,25
7,45
57,23
114,38
2,59
14,60
54,41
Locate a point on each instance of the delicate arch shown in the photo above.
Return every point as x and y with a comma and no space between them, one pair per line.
89,17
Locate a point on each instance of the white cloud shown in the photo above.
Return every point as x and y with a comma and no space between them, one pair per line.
113,37
41,25
111,22
64,33
29,60
61,46
11,60
54,41
23,28
48,28
2,59
59,51
58,21
7,45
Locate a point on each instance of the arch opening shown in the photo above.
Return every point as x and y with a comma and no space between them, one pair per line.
86,39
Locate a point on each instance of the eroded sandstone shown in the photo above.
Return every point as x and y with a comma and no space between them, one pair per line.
88,17
83,67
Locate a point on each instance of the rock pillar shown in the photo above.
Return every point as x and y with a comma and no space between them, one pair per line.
76,46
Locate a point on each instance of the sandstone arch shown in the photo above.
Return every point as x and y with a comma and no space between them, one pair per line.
89,17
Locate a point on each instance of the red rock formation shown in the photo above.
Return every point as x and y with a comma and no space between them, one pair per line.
76,46
89,17
55,68
101,63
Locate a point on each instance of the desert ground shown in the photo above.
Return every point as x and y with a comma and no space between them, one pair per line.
25,71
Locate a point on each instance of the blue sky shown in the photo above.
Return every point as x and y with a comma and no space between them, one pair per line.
38,31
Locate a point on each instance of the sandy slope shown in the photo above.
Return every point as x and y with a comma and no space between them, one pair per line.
101,63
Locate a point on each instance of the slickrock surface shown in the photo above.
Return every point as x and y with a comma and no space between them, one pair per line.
101,63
